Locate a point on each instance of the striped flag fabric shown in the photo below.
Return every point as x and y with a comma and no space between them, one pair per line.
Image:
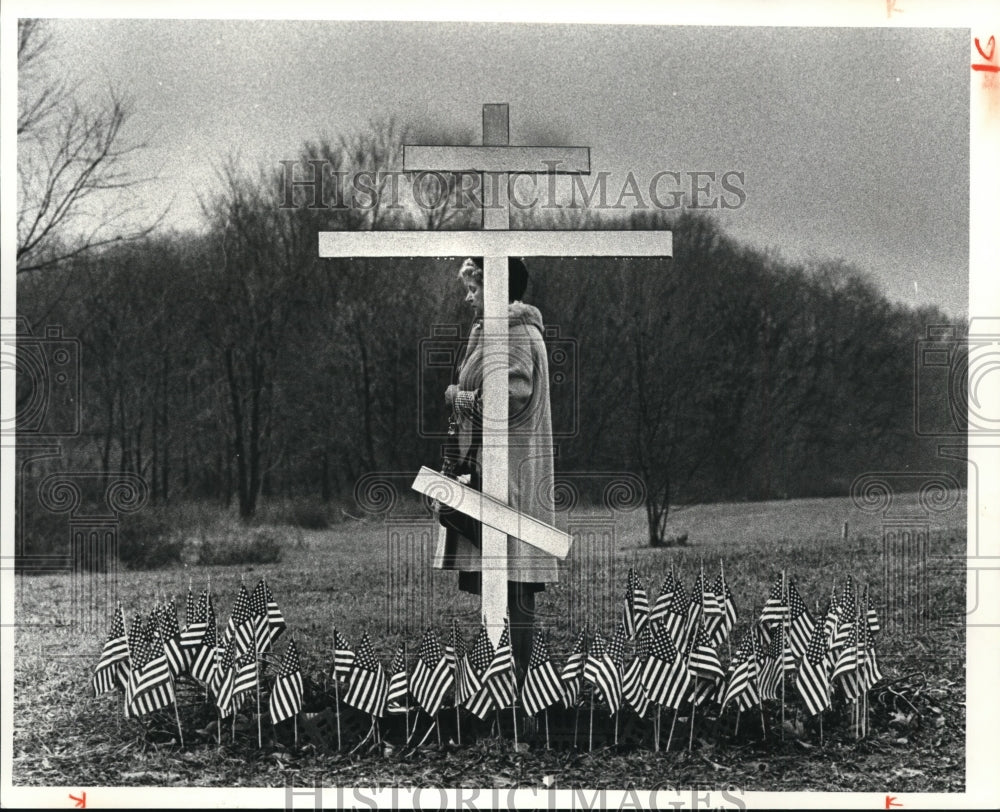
704,659
662,603
499,678
571,675
542,687
775,607
432,675
399,683
244,677
369,686
343,655
190,608
801,623
258,618
275,619
868,669
720,626
150,685
741,686
635,614
676,619
195,625
847,608
871,616
170,636
772,666
479,701
112,669
845,670
225,675
241,626
813,680
466,681
711,602
204,658
286,695
633,691
601,672
665,676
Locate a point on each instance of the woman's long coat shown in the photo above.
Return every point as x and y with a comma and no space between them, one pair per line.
530,450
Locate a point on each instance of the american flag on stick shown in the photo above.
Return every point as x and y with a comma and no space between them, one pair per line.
204,659
150,686
741,686
369,686
601,672
112,669
813,680
466,680
800,627
399,683
633,691
662,603
479,701
432,675
542,687
635,614
665,676
499,677
286,695
343,655
170,635
571,675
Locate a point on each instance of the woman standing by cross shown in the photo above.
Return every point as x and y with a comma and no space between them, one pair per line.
529,433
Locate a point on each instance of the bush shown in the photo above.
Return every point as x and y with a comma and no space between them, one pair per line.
261,547
148,540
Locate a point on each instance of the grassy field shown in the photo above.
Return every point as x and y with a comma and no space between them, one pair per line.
374,577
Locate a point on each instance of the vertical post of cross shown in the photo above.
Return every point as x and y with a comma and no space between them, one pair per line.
496,132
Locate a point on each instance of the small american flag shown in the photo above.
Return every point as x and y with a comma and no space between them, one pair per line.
203,662
286,696
801,626
368,683
601,672
170,635
665,676
480,657
343,655
466,681
742,683
150,685
541,688
719,626
432,676
571,675
195,625
112,669
663,600
775,607
632,688
241,626
813,681
636,611
499,676
399,684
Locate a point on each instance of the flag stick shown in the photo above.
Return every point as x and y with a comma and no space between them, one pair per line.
591,749
736,730
295,724
513,701
458,723
616,727
336,688
656,729
576,724
440,743
428,733
234,725
256,667
670,737
547,747
821,728
177,714
691,733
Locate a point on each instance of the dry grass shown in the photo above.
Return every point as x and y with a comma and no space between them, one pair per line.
360,577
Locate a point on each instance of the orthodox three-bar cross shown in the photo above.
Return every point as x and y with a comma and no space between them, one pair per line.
495,243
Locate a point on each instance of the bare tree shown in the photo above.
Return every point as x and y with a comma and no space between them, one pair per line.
72,169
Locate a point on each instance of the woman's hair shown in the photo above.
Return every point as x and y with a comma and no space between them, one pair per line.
517,275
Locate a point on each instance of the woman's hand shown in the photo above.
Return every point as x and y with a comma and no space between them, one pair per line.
449,396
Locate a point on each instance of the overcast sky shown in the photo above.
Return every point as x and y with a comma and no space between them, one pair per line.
854,142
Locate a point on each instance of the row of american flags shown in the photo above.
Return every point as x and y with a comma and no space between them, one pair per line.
662,653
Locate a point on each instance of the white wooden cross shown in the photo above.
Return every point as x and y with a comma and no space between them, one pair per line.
495,243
